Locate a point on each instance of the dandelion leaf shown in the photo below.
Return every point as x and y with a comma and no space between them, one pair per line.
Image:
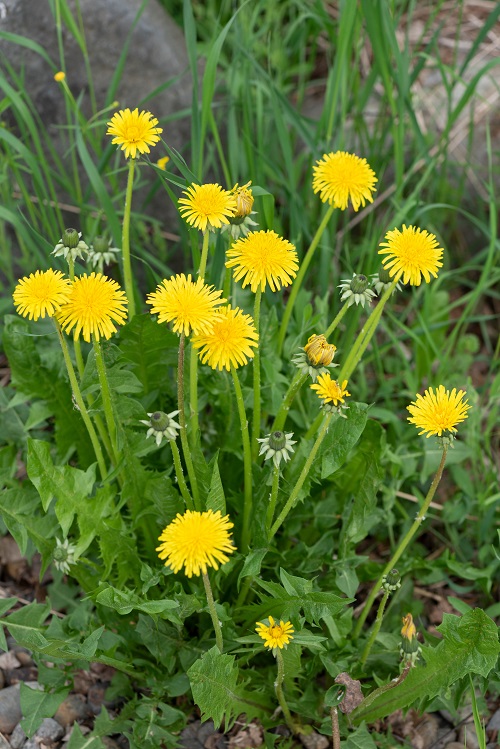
214,683
470,645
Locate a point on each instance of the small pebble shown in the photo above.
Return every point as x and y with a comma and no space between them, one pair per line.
74,708
95,698
10,708
50,731
4,744
314,740
18,737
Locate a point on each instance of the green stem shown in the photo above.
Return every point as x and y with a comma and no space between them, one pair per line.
228,275
180,475
273,498
127,268
106,398
213,612
80,403
280,694
402,545
300,481
300,276
365,336
376,628
182,421
293,389
247,464
337,320
204,255
256,380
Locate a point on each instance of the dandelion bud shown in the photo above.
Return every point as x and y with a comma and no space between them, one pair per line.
355,290
101,244
64,555
244,200
408,630
70,238
382,280
60,76
319,352
277,445
162,425
391,581
70,245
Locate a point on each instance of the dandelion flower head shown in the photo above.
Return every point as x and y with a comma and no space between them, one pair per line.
95,303
207,206
41,294
196,541
411,254
330,391
244,200
275,635
162,163
230,342
134,131
408,630
342,177
438,412
263,258
60,76
191,305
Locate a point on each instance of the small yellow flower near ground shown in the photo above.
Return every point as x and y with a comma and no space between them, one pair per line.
263,257
42,294
162,163
330,391
275,635
196,541
191,305
408,630
60,76
411,254
438,412
230,342
207,206
342,177
95,302
134,131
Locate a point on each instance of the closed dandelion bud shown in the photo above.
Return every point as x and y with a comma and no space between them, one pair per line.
101,253
382,280
101,244
319,352
162,425
277,445
70,245
356,290
408,630
391,581
64,555
244,200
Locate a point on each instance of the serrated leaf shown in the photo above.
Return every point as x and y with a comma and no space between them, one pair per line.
216,499
214,683
315,605
253,563
79,741
151,348
359,739
19,513
341,437
37,705
470,645
125,601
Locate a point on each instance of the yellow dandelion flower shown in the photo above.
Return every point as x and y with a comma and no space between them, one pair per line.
340,177
408,630
207,206
134,131
60,76
411,254
263,257
438,412
244,200
275,635
330,391
190,304
41,294
162,163
94,303
196,541
230,342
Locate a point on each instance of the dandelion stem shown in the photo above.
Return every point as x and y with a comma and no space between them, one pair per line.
300,481
402,545
227,276
204,255
213,612
182,421
80,403
279,691
300,276
365,336
256,380
106,399
293,389
273,498
334,712
127,269
337,320
76,341
180,475
247,463
193,360
376,628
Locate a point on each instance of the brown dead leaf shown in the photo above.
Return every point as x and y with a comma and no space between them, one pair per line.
353,694
250,737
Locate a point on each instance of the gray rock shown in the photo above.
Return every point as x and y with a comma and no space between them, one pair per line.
18,737
50,731
4,744
468,736
74,708
10,708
